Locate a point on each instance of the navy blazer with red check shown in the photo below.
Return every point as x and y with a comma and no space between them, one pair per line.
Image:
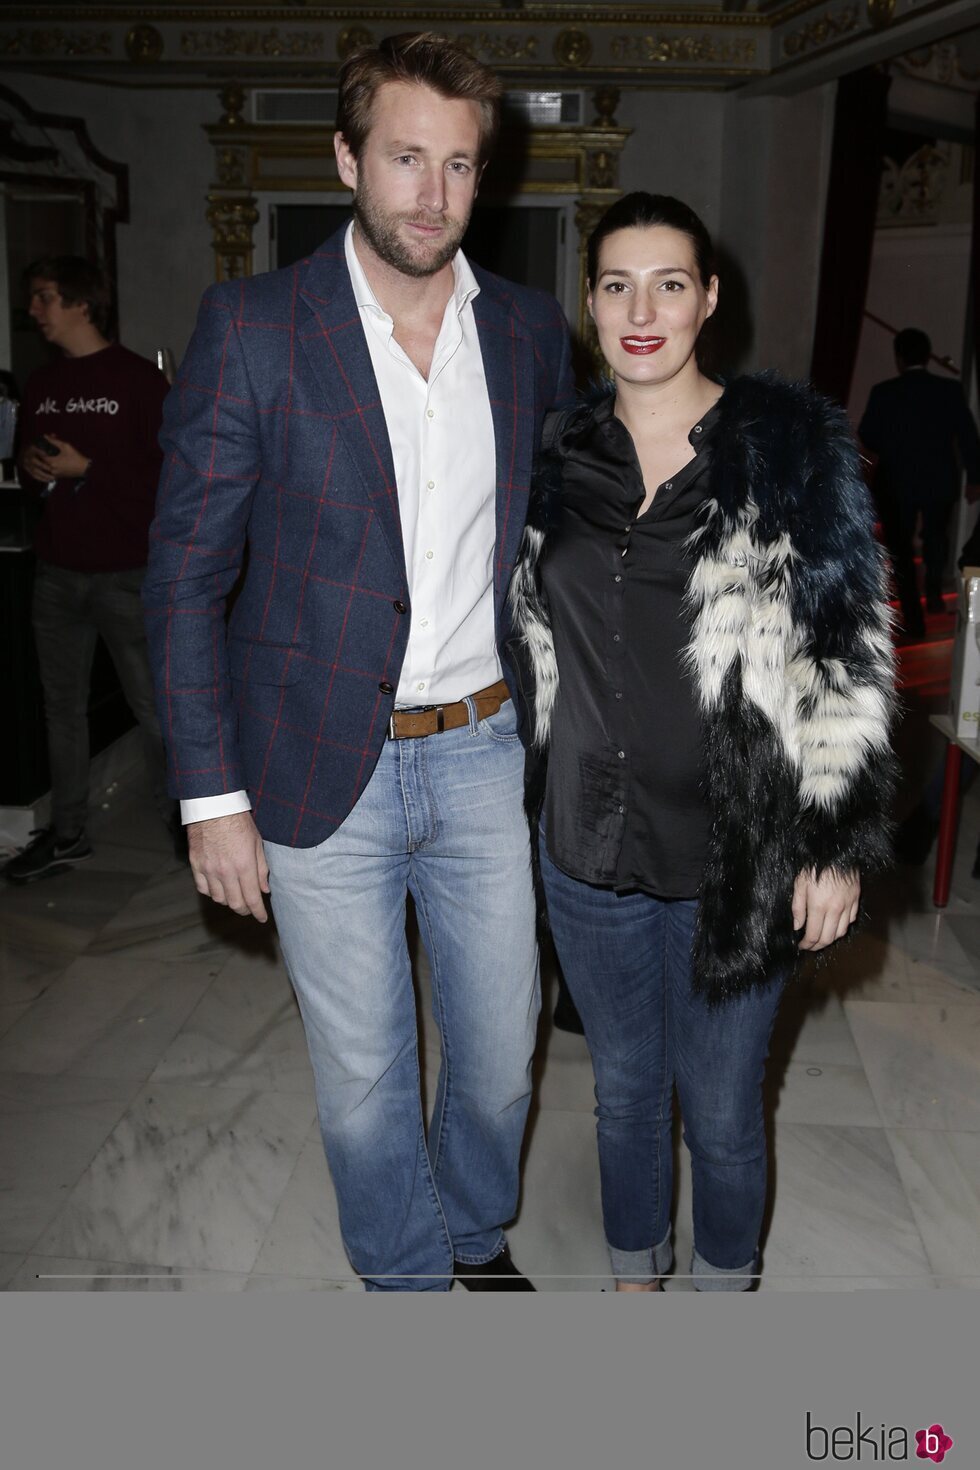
278,459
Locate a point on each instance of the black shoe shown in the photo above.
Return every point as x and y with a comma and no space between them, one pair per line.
500,1274
46,855
565,1016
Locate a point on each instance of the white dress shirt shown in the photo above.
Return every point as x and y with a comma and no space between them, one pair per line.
442,446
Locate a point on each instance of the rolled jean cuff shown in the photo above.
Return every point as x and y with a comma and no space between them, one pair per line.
642,1266
716,1278
483,1259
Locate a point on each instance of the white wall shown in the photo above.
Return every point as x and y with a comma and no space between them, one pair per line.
775,159
676,147
165,257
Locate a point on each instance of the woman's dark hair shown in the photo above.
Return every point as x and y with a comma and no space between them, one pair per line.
640,210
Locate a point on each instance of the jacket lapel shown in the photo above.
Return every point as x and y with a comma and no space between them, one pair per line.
508,362
332,340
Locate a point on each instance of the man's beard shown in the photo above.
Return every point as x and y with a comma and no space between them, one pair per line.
380,230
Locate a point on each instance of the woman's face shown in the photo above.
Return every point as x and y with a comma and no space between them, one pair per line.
648,302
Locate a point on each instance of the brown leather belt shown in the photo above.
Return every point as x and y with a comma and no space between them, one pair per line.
411,724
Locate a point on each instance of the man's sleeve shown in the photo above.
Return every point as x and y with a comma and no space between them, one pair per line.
197,540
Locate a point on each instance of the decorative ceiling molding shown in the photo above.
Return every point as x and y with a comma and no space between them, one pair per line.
549,45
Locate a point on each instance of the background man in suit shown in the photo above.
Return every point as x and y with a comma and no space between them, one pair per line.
366,420
922,431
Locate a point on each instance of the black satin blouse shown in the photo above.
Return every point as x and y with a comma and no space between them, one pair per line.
624,805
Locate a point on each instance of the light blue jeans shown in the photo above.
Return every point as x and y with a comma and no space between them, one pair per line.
441,818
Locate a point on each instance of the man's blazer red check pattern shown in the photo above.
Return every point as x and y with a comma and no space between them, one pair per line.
278,461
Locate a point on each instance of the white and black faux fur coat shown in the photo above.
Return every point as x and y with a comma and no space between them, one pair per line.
791,658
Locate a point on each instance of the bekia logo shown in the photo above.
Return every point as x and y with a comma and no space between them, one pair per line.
933,1443
862,1441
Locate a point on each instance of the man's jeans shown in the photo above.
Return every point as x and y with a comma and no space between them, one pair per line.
71,609
441,818
627,961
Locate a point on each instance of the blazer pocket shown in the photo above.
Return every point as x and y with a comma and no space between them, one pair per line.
253,661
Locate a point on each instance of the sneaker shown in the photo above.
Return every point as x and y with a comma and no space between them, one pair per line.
48,853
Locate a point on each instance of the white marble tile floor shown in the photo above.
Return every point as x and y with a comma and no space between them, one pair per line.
158,1131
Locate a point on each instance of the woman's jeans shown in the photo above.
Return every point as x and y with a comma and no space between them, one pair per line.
627,962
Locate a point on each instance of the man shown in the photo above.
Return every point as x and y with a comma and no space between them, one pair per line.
922,431
89,431
366,421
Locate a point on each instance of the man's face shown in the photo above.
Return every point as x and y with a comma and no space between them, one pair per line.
416,177
57,322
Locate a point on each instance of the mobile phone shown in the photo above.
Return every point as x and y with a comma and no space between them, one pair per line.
45,446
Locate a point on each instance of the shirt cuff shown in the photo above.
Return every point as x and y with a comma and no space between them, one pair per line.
204,808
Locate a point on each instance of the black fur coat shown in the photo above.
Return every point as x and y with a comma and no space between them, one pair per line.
790,654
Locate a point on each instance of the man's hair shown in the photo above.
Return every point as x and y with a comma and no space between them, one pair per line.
79,282
912,346
427,60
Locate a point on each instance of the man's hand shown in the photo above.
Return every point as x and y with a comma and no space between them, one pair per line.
68,464
228,862
824,907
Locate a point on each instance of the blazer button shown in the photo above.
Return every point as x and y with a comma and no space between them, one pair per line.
386,688
399,607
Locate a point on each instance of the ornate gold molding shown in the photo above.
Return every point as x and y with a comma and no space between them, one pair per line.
819,31
56,43
236,43
665,49
537,44
880,13
232,221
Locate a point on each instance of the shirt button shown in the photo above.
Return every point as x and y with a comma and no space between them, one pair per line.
399,607
429,555
617,578
668,484
697,429
431,485
620,809
615,637
626,529
619,693
430,413
420,686
621,754
424,623
385,687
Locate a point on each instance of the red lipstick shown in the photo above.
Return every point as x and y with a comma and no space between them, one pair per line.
641,346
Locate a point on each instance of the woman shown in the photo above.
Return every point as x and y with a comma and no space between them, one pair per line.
702,602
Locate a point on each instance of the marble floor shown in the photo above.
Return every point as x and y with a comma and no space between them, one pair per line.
157,1127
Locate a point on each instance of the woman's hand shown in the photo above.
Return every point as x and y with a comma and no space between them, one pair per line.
824,907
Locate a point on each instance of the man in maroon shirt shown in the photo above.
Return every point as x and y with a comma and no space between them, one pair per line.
89,428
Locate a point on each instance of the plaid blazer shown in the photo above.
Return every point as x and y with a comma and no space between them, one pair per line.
279,485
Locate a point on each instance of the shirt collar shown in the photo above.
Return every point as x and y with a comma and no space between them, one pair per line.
465,284
700,433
